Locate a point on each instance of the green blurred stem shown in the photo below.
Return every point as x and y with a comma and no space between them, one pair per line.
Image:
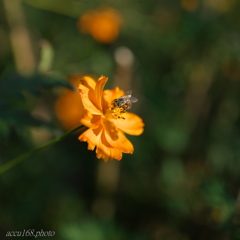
27,154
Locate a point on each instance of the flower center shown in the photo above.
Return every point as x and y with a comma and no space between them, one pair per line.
117,109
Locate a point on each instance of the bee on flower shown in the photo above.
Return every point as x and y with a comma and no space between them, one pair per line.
107,118
120,105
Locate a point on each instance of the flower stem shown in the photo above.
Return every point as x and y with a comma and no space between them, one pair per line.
27,154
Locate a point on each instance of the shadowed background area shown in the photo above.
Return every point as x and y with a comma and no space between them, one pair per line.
181,59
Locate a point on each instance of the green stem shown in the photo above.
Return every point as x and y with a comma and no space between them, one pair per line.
27,154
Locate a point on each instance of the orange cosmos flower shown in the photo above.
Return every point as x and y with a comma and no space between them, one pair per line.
103,24
68,107
107,120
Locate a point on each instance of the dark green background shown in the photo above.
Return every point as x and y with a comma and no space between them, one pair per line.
183,179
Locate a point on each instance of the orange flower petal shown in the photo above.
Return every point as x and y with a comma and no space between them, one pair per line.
87,103
106,151
90,120
96,138
110,128
88,82
110,95
121,143
91,136
99,90
116,138
132,124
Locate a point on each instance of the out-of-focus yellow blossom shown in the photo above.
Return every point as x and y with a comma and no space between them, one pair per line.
103,24
68,107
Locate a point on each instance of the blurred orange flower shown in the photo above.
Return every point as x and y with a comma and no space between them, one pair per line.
105,121
103,24
68,107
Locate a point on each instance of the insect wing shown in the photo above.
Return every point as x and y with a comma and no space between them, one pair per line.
128,94
133,99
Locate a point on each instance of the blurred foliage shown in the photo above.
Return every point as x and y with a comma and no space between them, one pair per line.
181,59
